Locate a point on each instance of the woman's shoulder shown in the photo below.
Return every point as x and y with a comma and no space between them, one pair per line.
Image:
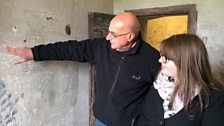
214,114
218,96
217,99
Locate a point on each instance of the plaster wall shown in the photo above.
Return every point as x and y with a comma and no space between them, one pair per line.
49,93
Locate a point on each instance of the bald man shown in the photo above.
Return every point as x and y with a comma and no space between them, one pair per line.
125,67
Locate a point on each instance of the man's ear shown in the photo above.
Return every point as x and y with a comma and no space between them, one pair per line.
131,37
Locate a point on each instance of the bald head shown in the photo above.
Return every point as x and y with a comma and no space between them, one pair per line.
123,31
127,21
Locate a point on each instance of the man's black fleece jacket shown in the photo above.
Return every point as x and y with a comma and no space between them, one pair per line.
122,78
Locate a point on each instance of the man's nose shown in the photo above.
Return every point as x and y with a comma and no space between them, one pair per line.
109,36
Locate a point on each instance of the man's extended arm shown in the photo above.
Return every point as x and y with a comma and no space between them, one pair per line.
82,51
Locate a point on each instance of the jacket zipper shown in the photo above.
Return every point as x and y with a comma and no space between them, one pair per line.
114,84
116,76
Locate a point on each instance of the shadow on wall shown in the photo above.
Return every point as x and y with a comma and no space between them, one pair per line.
7,109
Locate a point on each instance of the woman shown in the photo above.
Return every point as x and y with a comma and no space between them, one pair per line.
185,92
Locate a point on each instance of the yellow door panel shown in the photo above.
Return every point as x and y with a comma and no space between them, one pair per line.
161,28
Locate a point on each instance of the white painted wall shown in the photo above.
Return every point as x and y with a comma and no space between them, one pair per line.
210,24
45,93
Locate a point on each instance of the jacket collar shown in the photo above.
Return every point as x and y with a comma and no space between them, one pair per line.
136,45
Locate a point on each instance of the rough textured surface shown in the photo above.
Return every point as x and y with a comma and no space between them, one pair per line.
44,93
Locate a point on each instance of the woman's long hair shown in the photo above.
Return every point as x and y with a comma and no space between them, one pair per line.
193,70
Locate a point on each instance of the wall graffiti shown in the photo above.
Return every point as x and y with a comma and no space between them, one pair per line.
7,103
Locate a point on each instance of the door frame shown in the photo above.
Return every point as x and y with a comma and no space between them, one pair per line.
189,10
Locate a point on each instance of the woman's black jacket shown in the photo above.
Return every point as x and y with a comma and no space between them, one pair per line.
152,113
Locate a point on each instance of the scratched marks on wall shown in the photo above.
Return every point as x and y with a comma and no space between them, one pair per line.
7,103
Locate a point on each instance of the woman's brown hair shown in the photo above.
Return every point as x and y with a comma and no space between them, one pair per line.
194,73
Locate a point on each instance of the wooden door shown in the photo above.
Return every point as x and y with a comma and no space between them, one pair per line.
98,28
161,28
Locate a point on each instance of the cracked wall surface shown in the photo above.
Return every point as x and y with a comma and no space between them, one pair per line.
44,93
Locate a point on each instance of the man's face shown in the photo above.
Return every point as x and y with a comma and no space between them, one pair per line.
118,36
